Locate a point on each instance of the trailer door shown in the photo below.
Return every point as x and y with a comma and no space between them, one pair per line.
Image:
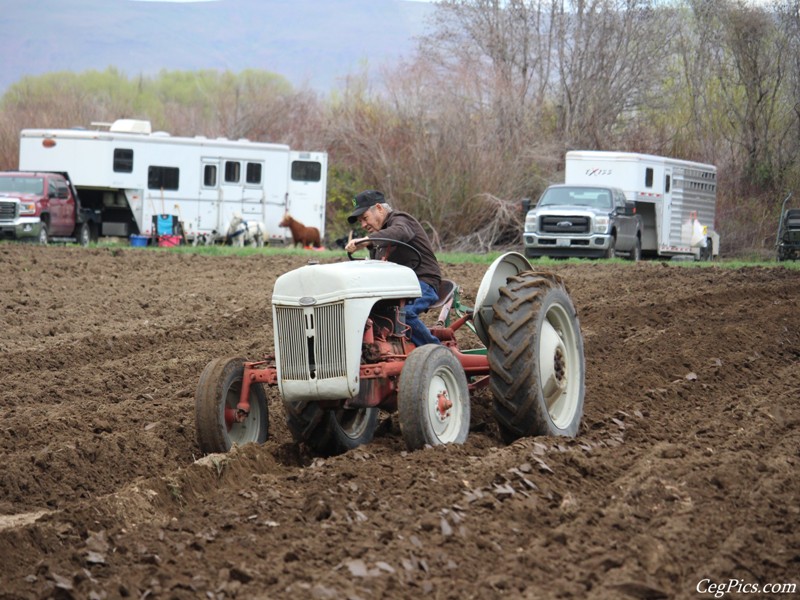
253,191
231,191
209,217
665,224
307,188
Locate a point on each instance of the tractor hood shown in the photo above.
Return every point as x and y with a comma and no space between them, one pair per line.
322,284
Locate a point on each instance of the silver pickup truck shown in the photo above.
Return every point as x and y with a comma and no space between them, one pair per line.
583,221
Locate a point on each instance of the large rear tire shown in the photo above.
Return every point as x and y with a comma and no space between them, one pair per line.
536,358
216,399
328,431
433,398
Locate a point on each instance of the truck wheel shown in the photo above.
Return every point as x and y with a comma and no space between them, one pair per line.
636,254
433,398
44,235
612,249
215,408
328,431
536,363
84,234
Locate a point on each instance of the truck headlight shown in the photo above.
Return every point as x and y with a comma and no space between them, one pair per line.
601,224
27,208
530,226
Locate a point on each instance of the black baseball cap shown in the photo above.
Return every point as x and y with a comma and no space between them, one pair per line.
363,201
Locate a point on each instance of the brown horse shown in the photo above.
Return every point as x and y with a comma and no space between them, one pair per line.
306,236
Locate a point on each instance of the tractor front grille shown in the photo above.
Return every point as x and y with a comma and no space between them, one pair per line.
312,341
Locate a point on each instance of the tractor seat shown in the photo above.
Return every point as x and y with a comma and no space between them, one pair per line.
446,290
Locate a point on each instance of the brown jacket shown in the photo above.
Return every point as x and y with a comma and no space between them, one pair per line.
403,227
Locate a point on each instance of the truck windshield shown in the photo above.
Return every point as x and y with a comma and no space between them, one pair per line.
22,185
566,196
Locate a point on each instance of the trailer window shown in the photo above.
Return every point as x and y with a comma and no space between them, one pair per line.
648,177
123,160
667,184
304,170
162,178
210,176
233,170
253,173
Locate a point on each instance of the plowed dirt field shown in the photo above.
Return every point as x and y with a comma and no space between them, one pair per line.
684,474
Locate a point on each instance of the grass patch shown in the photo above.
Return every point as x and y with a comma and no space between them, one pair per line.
443,257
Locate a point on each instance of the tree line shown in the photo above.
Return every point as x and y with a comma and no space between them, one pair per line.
483,113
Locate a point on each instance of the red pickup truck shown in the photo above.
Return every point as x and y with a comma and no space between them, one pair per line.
43,207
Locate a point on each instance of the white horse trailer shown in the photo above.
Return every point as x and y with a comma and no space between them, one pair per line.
675,198
132,174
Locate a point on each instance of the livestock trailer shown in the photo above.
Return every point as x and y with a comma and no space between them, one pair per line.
131,173
675,198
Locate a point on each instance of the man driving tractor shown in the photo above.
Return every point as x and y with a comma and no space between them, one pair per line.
380,220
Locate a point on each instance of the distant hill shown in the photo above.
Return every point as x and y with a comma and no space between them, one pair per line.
314,42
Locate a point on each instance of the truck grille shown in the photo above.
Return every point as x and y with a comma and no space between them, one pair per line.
571,224
8,210
312,344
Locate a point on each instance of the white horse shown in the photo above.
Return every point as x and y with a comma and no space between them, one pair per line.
246,233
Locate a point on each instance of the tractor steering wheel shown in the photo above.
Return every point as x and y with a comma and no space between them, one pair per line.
390,241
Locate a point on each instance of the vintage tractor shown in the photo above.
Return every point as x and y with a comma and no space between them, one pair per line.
342,356
787,242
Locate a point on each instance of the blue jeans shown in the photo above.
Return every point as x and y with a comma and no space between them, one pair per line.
420,334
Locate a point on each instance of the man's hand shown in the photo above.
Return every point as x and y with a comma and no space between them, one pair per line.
356,244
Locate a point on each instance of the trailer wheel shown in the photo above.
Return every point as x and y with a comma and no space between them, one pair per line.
536,360
433,398
329,431
216,399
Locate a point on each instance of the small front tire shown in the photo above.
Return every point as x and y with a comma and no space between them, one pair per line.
433,398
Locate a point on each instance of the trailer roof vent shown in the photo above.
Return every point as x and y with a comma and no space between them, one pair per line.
131,126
